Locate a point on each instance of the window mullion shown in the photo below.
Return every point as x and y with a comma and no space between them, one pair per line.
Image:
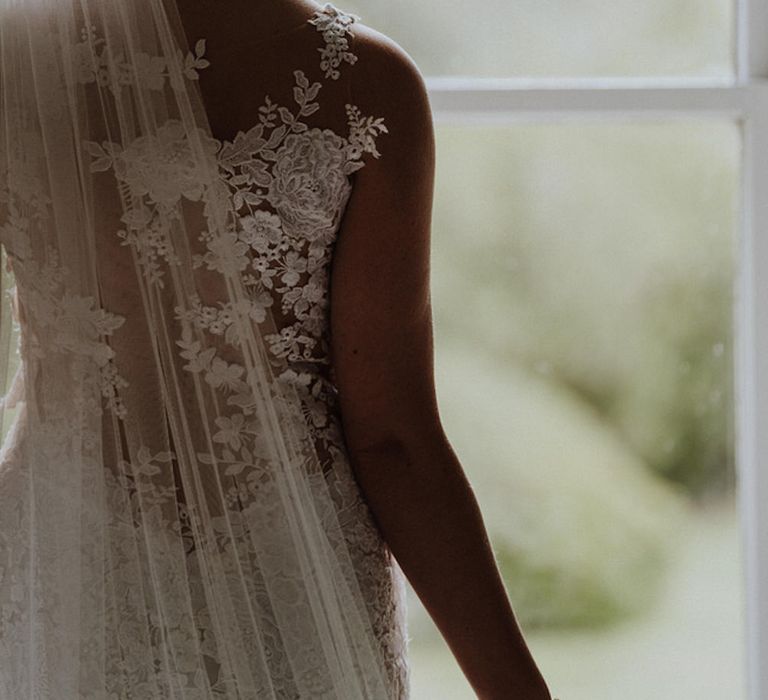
751,36
752,391
494,101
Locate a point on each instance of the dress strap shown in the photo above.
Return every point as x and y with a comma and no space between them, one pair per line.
335,26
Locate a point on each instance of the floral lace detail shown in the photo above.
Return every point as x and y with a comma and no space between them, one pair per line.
75,327
151,72
302,173
363,132
157,185
282,254
335,27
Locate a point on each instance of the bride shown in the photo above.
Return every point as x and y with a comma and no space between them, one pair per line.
225,453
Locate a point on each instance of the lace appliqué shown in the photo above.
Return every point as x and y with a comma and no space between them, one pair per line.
57,311
282,257
302,174
158,171
75,326
363,132
335,27
93,65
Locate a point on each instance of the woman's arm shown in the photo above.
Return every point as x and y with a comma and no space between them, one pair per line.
381,329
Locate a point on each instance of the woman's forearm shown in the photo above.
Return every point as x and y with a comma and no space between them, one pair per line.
427,513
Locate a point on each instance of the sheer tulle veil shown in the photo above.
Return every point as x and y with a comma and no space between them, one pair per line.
152,437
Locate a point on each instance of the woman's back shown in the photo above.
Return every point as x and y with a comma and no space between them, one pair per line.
286,142
290,149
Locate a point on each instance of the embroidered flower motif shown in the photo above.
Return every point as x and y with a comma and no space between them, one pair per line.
309,182
288,343
192,350
261,230
150,70
152,244
163,166
363,132
79,327
226,253
335,27
302,298
111,383
84,61
222,320
311,389
293,268
92,64
225,375
74,326
299,380
262,266
230,430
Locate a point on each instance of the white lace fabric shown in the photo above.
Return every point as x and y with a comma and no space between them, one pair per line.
178,513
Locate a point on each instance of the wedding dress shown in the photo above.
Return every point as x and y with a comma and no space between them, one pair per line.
178,513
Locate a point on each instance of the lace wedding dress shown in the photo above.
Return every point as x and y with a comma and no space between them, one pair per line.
178,513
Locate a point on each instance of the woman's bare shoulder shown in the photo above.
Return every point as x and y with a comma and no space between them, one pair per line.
387,75
380,301
387,83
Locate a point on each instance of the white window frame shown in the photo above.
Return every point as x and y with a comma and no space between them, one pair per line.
745,100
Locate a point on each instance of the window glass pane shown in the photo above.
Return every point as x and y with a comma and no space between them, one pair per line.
499,38
582,290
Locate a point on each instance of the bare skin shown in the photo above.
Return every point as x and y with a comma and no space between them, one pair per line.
382,348
383,357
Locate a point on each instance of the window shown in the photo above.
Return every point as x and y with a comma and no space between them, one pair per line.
599,263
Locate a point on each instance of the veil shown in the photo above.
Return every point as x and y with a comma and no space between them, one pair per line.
166,529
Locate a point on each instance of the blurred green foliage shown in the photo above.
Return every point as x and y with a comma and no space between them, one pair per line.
601,258
583,533
561,38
